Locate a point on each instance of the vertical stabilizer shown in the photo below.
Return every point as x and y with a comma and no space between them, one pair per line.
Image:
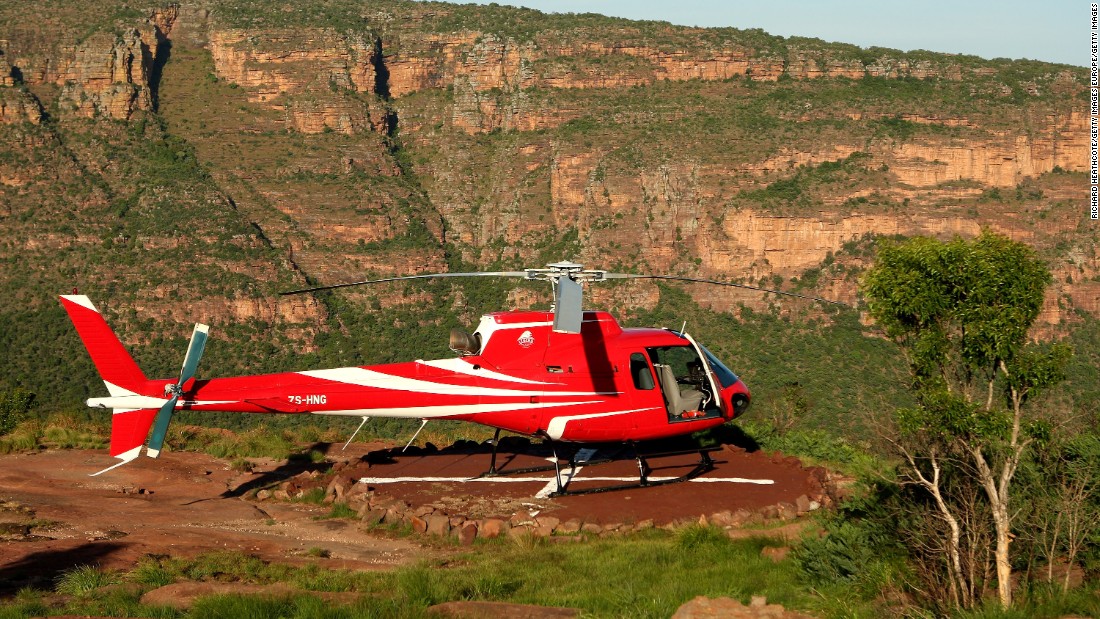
132,411
116,367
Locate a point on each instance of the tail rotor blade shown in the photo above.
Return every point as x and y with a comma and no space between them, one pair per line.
187,372
194,353
160,427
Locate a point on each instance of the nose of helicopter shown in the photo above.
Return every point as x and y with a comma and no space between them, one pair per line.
738,397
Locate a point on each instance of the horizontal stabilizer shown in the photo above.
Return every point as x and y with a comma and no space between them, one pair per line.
128,456
129,429
127,402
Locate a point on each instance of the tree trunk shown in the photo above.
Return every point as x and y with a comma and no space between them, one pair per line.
960,592
998,504
1004,567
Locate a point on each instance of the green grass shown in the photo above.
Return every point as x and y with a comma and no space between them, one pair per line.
1042,603
84,579
647,574
341,510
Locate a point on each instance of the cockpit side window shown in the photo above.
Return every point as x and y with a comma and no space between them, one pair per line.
640,372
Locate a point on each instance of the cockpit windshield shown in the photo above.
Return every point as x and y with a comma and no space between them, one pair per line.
725,376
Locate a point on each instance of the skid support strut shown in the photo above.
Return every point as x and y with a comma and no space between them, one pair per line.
494,471
493,461
705,464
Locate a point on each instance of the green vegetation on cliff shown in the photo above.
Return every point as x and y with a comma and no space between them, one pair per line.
225,193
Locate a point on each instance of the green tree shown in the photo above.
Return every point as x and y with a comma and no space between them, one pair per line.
961,311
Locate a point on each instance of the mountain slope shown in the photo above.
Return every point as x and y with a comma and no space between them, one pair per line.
184,162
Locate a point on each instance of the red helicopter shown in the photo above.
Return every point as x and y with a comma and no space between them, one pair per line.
567,376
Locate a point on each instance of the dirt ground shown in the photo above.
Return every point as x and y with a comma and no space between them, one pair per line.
54,516
181,504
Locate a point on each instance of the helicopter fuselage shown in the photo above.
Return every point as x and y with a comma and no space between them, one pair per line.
515,373
605,383
526,379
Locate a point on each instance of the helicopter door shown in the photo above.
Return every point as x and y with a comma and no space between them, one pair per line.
715,388
682,377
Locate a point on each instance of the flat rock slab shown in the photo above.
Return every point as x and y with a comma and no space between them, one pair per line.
182,595
499,610
726,608
448,478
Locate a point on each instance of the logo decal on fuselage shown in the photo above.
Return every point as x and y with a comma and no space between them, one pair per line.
526,340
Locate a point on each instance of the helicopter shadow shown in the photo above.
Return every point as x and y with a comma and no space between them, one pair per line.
296,464
43,569
510,448
519,454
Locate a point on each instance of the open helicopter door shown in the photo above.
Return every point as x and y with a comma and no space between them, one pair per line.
715,388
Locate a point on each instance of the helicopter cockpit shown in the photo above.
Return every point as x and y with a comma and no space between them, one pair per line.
683,380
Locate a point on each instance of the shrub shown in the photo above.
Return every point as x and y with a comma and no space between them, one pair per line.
14,406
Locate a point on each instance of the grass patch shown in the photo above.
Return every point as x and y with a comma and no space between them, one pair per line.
221,606
257,442
648,574
153,573
814,445
23,438
84,579
314,495
58,431
341,510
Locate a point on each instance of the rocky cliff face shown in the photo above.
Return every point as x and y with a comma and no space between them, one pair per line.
18,106
387,142
107,74
322,80
1003,160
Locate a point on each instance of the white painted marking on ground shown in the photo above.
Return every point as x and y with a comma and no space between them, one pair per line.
586,455
553,485
528,480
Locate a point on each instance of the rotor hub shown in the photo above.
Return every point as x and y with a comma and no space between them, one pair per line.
570,270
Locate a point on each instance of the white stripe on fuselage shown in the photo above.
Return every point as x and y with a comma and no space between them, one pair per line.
459,366
370,378
556,427
427,412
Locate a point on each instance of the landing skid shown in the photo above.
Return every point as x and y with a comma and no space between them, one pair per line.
705,464
494,471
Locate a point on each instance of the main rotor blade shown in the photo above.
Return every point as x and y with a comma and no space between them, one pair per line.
718,283
522,274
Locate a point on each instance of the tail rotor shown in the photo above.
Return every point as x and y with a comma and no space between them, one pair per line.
176,391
